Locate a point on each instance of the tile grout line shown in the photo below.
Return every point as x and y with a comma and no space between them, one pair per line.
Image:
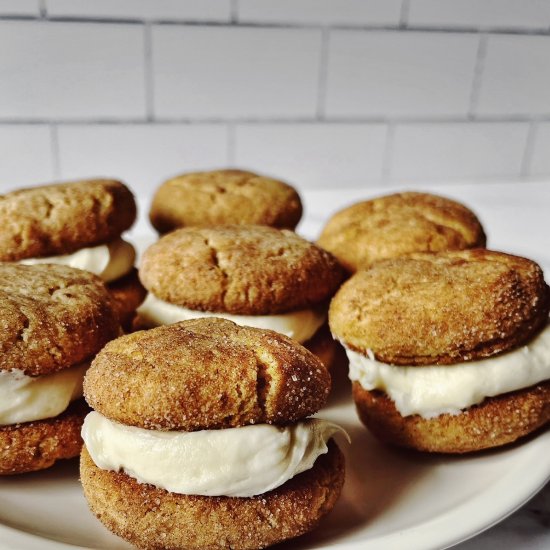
322,79
148,72
54,151
387,155
527,159
477,78
404,14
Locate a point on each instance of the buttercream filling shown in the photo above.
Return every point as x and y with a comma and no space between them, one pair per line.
236,462
26,398
432,390
109,261
299,325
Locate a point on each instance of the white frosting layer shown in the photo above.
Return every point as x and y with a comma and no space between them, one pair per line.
299,325
110,261
238,462
26,398
433,390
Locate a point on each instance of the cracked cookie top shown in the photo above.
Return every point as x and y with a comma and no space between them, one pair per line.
205,374
62,218
52,317
241,269
396,225
224,197
441,308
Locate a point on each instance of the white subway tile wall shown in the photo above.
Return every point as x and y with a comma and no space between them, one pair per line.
180,10
467,150
313,155
382,73
140,154
20,7
322,93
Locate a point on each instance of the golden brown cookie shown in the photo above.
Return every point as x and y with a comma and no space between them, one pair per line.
241,269
150,517
496,421
396,225
60,219
323,345
127,294
205,374
52,317
224,197
441,308
32,446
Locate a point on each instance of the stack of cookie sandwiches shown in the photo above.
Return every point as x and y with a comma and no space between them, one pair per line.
449,352
200,437
222,197
253,275
54,319
78,224
396,225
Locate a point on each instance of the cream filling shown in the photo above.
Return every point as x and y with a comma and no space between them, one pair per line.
26,398
299,325
237,462
110,261
432,390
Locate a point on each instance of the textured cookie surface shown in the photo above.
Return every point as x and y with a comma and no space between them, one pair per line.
494,422
37,445
149,517
59,219
441,308
224,197
205,374
395,225
246,269
52,317
127,294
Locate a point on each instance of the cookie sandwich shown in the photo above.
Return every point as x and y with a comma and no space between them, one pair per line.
448,352
221,197
395,225
200,437
253,275
53,320
78,224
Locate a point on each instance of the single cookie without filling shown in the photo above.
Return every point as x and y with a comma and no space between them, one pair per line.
396,225
222,197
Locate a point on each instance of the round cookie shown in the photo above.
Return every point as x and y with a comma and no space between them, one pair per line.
396,225
150,517
249,270
207,374
127,294
494,422
441,308
62,218
446,350
36,445
227,375
224,197
52,318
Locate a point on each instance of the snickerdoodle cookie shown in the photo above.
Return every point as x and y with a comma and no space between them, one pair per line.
396,225
227,457
78,224
223,197
254,275
448,352
54,319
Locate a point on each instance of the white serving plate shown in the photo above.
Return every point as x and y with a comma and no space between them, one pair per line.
392,499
